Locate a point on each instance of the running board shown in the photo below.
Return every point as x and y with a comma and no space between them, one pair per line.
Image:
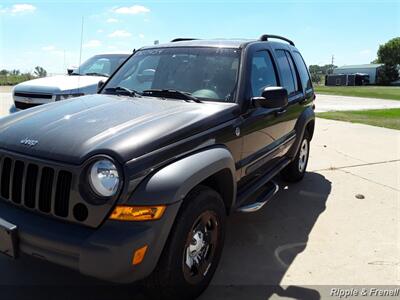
270,190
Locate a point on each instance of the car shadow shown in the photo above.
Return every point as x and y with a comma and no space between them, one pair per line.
261,246
259,249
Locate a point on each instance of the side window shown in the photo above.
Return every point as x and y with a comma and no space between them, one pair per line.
301,66
262,73
296,79
288,80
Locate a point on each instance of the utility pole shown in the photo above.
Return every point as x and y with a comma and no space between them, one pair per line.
332,61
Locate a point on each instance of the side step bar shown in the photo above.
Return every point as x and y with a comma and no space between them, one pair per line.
262,199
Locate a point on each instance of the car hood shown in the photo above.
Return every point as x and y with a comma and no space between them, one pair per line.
59,84
122,127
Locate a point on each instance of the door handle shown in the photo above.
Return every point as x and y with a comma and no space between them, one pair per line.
281,112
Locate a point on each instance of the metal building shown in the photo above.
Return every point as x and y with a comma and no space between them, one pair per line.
370,69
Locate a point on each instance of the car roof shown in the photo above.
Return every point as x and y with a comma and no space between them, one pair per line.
113,55
223,43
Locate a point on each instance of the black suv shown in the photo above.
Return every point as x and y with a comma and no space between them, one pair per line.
135,182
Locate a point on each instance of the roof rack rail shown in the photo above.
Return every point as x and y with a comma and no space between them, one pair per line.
265,37
182,40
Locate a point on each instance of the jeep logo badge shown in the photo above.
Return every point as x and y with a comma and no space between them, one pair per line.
29,142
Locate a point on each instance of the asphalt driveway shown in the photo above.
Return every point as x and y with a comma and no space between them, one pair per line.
312,234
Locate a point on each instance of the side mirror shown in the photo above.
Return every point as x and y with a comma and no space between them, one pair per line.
100,84
70,71
272,97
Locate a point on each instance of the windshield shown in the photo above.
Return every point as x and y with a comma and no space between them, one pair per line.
100,65
205,73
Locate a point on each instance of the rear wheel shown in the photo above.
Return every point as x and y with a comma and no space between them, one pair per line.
297,168
193,250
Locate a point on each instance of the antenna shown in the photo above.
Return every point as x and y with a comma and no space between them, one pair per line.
80,50
80,56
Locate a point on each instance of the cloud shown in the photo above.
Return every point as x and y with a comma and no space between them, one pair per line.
141,35
92,44
100,30
112,20
132,10
22,8
119,33
49,48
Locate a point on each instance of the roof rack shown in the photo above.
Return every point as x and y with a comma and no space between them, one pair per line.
265,37
182,40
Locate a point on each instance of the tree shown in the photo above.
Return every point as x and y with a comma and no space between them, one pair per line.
387,74
15,72
40,72
4,72
389,55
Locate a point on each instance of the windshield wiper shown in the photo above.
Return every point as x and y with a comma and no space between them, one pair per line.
171,94
123,90
96,74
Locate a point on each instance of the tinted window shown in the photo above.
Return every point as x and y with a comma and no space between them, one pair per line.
293,69
288,81
301,66
262,73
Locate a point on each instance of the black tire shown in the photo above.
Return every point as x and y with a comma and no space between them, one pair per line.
295,171
172,276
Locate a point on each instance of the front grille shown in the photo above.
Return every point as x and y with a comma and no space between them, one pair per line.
22,105
33,95
34,186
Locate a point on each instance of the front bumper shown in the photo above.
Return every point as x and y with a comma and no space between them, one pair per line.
105,253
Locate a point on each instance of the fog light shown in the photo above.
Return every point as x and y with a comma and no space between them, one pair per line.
138,256
137,213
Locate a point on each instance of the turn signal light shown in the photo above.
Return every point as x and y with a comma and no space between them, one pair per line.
139,255
137,213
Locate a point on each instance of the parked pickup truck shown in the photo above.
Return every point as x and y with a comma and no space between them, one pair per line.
78,82
136,182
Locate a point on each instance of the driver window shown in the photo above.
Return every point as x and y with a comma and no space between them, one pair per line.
262,73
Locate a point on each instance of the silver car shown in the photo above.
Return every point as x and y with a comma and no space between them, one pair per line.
78,82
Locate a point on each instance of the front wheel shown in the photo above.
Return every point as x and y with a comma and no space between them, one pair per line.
297,168
193,250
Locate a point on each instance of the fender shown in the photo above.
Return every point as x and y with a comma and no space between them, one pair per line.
174,181
306,117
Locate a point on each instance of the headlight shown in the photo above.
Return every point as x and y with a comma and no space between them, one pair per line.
104,178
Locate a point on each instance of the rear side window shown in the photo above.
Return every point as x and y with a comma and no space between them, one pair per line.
289,81
301,66
262,73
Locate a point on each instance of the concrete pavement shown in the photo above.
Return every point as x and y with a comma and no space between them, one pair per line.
311,234
318,232
334,103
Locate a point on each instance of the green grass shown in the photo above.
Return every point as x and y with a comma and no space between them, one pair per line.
388,118
380,92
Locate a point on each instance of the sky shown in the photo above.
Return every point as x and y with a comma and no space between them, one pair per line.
48,33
